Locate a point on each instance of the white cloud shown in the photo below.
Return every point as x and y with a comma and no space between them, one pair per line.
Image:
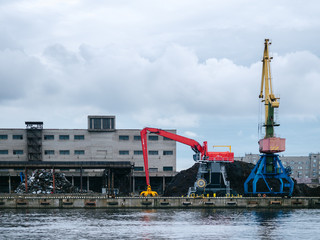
184,65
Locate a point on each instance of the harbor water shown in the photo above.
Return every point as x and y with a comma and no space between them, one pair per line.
160,224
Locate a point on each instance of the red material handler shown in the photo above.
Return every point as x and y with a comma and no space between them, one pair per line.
195,146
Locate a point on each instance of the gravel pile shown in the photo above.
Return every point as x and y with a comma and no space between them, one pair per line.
41,182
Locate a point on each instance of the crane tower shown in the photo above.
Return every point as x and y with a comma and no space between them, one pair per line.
269,176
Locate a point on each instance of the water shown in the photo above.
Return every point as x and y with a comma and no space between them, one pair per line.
160,224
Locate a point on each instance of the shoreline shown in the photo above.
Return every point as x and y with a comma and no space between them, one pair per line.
97,201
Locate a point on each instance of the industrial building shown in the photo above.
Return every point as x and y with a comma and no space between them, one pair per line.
305,169
93,159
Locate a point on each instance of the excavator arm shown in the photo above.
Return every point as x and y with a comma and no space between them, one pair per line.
195,146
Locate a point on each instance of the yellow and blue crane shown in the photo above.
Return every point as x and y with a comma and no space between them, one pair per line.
269,176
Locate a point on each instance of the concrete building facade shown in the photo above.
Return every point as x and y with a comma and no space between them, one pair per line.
305,169
100,142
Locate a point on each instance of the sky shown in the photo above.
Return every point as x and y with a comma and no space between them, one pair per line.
192,65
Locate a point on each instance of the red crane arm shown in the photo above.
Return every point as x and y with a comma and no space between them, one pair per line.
192,143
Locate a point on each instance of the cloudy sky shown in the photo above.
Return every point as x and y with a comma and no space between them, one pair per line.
191,65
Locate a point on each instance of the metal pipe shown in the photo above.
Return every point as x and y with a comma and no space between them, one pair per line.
108,181
81,179
9,184
88,183
112,182
53,181
26,179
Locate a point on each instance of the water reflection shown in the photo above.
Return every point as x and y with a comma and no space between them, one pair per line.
269,221
158,224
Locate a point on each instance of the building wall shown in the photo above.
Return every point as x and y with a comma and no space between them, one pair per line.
86,145
305,169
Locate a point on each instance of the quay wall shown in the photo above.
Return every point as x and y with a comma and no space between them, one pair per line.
103,201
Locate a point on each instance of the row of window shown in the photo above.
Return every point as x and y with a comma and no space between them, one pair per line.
64,137
139,152
165,168
138,138
46,152
102,123
45,137
82,152
15,152
81,137
64,152
14,137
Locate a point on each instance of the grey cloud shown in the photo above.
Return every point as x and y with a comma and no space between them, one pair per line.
18,74
190,65
60,54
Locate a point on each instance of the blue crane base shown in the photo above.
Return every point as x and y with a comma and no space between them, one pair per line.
269,167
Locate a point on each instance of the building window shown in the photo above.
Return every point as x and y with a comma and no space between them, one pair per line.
64,152
137,138
124,137
138,169
167,152
138,152
48,152
17,152
3,137
78,137
123,152
4,151
78,152
153,169
101,123
48,137
153,138
97,123
169,169
151,152
108,123
64,137
17,137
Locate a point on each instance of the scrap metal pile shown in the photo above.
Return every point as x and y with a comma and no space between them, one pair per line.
41,182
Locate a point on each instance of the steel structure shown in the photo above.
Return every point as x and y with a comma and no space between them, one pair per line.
211,177
34,140
269,166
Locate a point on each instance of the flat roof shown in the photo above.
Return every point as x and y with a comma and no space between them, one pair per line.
65,164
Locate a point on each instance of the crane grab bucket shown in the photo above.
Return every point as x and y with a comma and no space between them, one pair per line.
149,192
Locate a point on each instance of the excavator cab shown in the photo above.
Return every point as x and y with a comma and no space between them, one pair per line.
196,157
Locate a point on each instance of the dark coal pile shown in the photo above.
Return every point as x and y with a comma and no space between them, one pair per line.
237,173
181,182
41,182
303,190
